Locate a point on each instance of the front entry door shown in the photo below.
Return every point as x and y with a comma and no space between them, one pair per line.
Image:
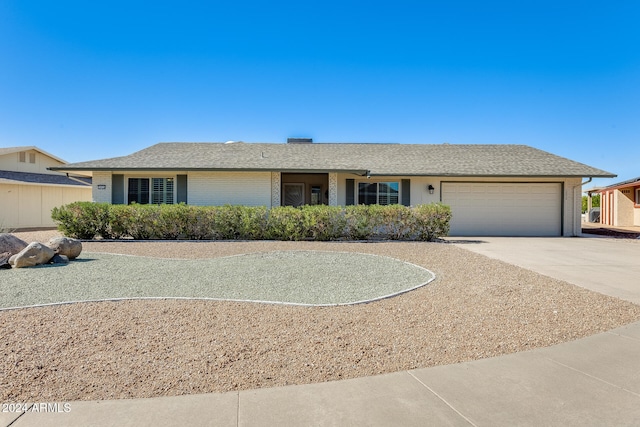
293,194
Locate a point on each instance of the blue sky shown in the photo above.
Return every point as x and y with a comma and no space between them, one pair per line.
89,80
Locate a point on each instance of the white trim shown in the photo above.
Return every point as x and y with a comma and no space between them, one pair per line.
380,180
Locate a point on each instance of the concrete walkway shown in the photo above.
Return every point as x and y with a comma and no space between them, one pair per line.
594,381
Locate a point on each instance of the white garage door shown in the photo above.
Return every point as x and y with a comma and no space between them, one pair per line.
504,209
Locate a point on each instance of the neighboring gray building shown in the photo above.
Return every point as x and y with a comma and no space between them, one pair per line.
29,190
492,189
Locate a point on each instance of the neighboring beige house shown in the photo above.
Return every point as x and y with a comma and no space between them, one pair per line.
620,203
29,190
511,190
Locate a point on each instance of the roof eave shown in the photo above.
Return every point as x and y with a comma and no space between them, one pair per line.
463,175
362,172
630,183
44,184
186,169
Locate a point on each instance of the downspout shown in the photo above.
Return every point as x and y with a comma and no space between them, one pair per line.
577,228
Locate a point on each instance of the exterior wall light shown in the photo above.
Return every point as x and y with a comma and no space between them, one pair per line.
431,189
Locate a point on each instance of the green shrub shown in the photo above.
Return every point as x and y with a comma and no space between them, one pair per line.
121,218
198,222
360,223
395,222
432,221
285,223
142,223
82,220
324,222
236,222
171,221
86,220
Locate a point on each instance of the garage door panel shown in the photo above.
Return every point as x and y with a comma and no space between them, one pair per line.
504,209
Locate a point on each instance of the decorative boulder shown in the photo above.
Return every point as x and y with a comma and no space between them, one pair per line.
10,243
4,260
71,248
59,259
34,254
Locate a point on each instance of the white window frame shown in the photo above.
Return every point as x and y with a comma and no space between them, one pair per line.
637,201
368,182
164,193
151,192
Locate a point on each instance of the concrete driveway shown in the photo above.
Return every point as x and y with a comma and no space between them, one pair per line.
608,266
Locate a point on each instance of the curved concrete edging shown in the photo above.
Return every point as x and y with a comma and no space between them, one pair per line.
273,302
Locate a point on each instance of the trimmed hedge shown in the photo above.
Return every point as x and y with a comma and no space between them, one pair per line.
88,220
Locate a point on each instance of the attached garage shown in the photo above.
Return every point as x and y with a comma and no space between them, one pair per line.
504,208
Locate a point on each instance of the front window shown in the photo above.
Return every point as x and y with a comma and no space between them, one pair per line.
162,191
378,193
638,196
155,190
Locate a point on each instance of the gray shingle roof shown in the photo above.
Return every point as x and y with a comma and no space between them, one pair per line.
378,159
42,178
628,182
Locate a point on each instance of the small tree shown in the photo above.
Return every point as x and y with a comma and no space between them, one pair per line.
595,202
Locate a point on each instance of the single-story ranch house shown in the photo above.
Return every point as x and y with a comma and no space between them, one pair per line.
29,190
512,190
620,203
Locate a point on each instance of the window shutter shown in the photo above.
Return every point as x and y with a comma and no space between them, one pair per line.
117,189
181,196
350,192
406,192
157,191
162,191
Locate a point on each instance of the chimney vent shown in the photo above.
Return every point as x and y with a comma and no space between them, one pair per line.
299,140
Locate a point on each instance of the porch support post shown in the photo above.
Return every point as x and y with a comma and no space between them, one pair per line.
275,189
333,189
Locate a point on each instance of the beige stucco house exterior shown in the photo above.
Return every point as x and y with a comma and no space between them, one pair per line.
620,204
29,190
512,190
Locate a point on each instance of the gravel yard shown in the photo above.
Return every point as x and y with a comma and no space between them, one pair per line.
290,277
477,307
